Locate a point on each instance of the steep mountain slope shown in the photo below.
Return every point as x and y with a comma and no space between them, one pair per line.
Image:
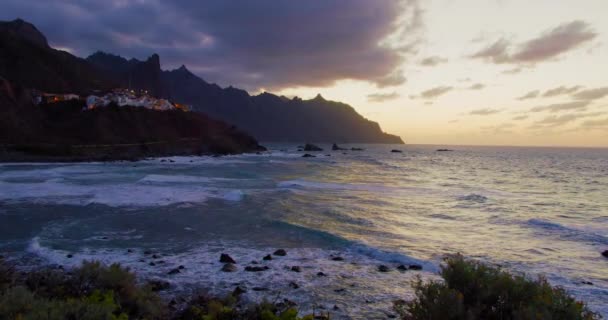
266,116
27,60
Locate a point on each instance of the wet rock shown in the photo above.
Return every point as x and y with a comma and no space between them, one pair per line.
173,271
294,285
129,251
254,262
308,155
280,252
311,147
229,267
321,274
335,147
161,261
415,267
181,267
402,267
69,256
396,151
383,268
267,257
356,149
605,254
155,256
238,291
152,264
589,283
158,285
337,258
256,268
443,150
296,269
147,252
142,260
336,307
260,289
225,258
339,290
391,316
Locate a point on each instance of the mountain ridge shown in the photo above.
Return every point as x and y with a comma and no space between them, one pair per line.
266,116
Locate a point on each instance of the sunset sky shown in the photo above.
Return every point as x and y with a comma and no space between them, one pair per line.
491,72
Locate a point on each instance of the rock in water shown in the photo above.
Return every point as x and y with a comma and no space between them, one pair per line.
267,257
383,268
415,267
444,150
296,269
402,267
308,155
158,285
605,254
238,291
280,252
224,258
356,149
229,267
174,271
396,151
312,147
335,147
256,268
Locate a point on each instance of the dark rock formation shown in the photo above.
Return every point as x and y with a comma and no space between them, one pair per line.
335,147
225,258
28,61
396,151
605,254
256,268
229,267
280,252
383,268
308,155
312,147
267,257
443,150
296,269
415,267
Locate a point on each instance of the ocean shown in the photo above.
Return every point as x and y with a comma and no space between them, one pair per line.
539,211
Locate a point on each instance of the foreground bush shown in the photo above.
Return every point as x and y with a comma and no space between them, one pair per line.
98,292
473,290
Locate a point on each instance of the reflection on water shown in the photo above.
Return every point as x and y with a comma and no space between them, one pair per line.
541,211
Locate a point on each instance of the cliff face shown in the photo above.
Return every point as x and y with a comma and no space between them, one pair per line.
64,130
135,74
266,116
27,60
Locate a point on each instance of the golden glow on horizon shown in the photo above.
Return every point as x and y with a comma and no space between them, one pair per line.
454,31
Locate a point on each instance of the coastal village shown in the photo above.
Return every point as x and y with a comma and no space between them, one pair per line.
120,97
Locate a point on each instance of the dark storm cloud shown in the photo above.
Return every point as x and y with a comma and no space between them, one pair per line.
381,97
546,46
270,44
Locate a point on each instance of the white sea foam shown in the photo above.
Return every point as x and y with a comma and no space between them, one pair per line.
114,195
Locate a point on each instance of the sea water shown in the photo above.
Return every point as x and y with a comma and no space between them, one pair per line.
539,211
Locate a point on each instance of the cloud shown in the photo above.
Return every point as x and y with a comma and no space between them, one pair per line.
547,46
433,92
521,117
595,124
557,107
504,128
484,112
477,86
433,61
529,95
252,44
561,91
381,97
591,94
555,121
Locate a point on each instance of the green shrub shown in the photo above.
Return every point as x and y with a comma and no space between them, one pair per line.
92,291
474,290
